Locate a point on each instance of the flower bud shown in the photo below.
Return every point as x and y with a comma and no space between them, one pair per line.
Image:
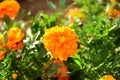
80,24
18,57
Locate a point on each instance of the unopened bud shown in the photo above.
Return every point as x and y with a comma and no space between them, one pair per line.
14,76
110,18
80,24
18,57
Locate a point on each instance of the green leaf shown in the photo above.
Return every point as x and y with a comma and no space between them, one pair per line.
62,4
45,17
5,37
51,5
37,17
14,24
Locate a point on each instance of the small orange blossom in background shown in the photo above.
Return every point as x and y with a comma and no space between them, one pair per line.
112,1
14,75
72,13
61,42
15,36
110,11
9,8
1,11
113,12
14,41
116,13
107,77
62,70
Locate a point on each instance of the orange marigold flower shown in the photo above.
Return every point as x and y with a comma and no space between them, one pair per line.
1,11
111,11
112,1
75,12
9,8
2,52
72,13
61,42
62,69
14,76
15,36
116,13
107,77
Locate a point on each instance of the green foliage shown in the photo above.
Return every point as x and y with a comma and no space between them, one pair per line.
93,7
100,40
42,21
1,0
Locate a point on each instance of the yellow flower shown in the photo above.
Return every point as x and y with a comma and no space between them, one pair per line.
2,52
1,40
107,77
61,42
15,36
9,8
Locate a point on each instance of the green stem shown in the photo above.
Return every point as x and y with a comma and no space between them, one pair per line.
48,63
